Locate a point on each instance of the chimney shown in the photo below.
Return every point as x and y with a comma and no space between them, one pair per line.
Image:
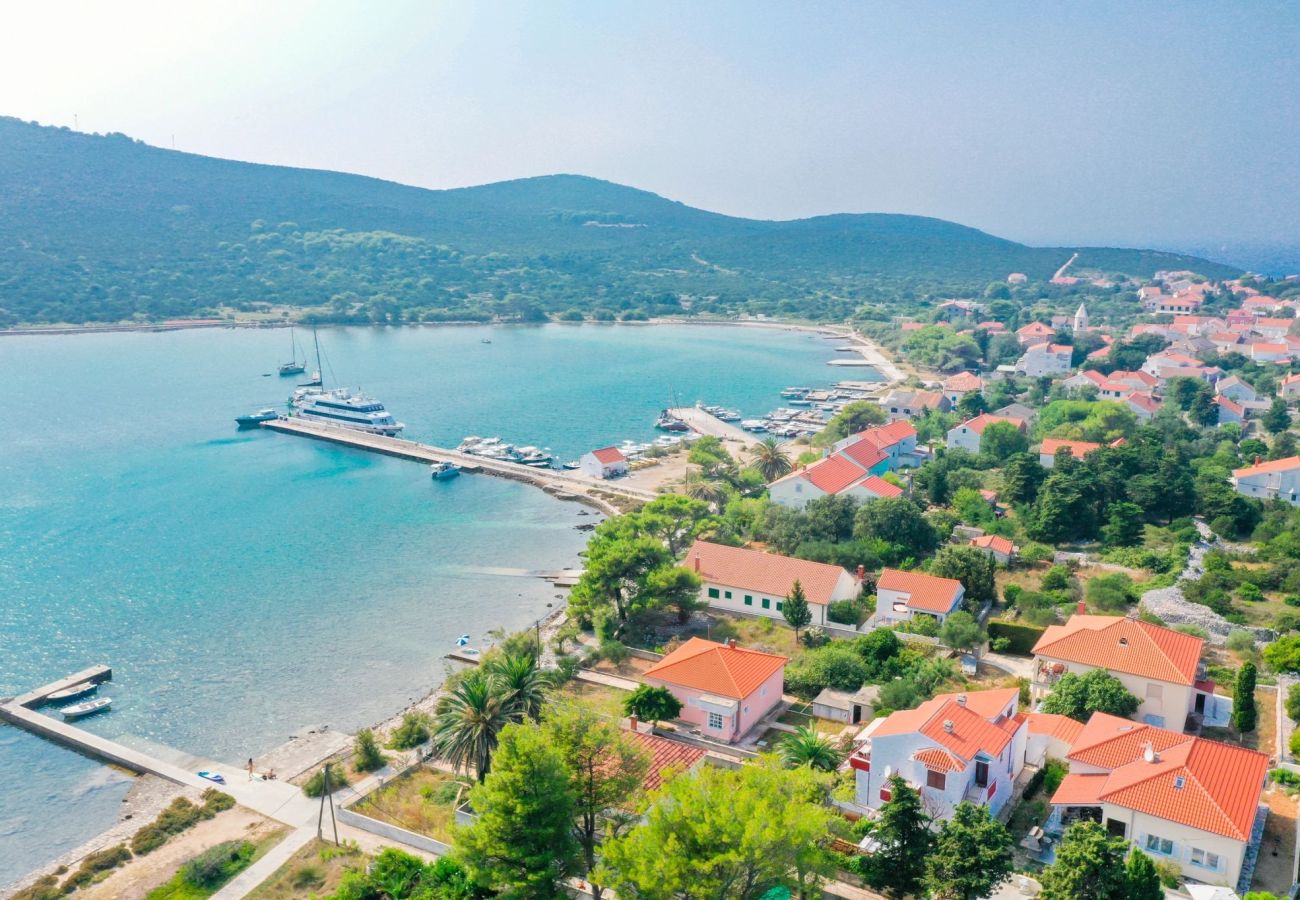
731,642
696,564
961,699
1149,753
862,573
947,725
1123,642
1082,608
632,723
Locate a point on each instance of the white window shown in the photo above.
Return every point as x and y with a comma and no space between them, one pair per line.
1163,846
715,721
1206,860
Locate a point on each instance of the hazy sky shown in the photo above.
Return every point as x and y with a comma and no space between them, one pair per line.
1143,123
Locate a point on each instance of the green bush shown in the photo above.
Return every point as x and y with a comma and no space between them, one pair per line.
215,801
1011,593
215,866
366,755
44,888
845,612
1294,743
1293,702
1285,777
613,651
1000,645
413,731
1021,638
94,864
177,817
1057,578
1171,876
315,786
1241,642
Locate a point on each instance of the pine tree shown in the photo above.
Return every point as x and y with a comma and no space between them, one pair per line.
1244,713
1089,866
903,830
795,609
971,856
1143,879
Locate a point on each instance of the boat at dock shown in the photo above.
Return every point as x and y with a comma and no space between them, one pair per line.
76,692
443,471
754,425
794,393
347,410
293,367
668,422
89,708
252,420
532,456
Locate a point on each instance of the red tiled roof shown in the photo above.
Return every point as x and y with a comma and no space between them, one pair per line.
1120,644
1203,784
1229,404
864,453
963,381
885,436
766,573
937,760
1145,401
1062,727
1079,449
714,668
977,722
984,420
608,455
1275,465
880,487
831,475
994,542
928,593
1035,329
665,754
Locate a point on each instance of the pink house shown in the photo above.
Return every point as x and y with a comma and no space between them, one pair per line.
724,689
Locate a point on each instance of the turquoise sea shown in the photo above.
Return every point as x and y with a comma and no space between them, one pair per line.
244,585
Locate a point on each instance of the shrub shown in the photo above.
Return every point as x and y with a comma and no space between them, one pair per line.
1291,600
308,878
1057,578
845,612
1034,552
1293,744
215,801
1241,642
1000,645
315,785
1170,875
100,861
1293,702
367,757
1020,638
613,651
1193,630
413,731
1283,655
1285,777
1250,592
217,865
44,888
1011,593
924,625
178,816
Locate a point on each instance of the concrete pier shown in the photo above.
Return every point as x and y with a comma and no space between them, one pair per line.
703,422
95,675
564,484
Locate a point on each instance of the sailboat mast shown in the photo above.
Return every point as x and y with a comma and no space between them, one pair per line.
320,372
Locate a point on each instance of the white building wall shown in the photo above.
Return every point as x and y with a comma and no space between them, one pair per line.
733,599
1271,486
964,438
1139,825
794,492
1159,702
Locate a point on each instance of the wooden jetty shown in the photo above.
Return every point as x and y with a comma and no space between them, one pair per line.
563,484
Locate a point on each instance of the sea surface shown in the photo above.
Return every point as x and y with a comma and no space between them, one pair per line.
245,585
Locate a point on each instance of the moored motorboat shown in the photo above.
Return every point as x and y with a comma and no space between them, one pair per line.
73,693
668,422
441,471
532,456
572,464
89,708
252,420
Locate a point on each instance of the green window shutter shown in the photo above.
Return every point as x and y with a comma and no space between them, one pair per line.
727,594
778,606
767,604
713,592
749,601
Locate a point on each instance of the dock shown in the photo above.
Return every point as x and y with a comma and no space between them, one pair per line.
566,485
703,422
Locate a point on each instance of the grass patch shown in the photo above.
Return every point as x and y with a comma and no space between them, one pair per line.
315,870
423,801
177,817
1263,738
599,698
206,873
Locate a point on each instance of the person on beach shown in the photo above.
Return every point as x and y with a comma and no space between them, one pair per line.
250,768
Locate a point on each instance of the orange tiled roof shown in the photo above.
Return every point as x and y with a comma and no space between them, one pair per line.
1203,784
1079,449
1276,465
832,474
715,668
963,381
1061,727
994,542
665,754
937,760
1126,645
1035,329
928,593
984,420
608,455
864,453
977,722
766,573
880,487
885,436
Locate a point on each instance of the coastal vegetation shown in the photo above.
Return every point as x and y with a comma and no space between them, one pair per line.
180,815
102,228
336,780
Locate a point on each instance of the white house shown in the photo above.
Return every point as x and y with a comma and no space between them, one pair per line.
998,548
835,475
1229,410
969,434
1289,388
1051,446
1159,666
1080,380
607,462
951,748
1034,333
1045,359
961,384
906,403
901,596
1180,799
1142,405
751,581
1234,387
1278,479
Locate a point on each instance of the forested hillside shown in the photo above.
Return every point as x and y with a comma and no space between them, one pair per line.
105,228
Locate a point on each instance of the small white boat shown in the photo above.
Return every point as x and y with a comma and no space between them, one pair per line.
442,471
572,464
89,708
754,425
74,692
214,777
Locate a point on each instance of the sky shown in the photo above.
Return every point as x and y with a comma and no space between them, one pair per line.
1172,125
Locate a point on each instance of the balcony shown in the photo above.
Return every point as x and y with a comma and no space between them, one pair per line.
861,761
1047,674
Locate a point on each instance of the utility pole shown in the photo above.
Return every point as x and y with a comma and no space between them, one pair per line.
326,796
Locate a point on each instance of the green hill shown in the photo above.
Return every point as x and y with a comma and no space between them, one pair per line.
105,228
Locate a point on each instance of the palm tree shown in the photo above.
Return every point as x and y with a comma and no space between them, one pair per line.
468,722
521,684
711,492
769,459
808,748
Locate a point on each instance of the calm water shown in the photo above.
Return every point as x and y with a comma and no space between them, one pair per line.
243,585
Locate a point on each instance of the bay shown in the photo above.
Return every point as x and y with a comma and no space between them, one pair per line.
246,585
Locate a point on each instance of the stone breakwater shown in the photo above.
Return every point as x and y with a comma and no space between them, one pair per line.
1173,608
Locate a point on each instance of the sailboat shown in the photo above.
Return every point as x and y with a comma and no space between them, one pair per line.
315,380
292,367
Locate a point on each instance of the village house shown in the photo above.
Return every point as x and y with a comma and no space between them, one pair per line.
1159,666
725,690
665,755
1226,341
881,449
1230,412
998,548
844,706
992,327
738,579
607,462
961,384
1142,405
954,747
1089,378
1017,278
1267,351
834,476
1178,798
1017,411
1278,479
1050,737
1150,297
1179,303
1034,333
1235,388
1051,446
1045,359
967,435
905,403
902,596
1289,388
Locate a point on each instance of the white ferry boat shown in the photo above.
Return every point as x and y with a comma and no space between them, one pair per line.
347,410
